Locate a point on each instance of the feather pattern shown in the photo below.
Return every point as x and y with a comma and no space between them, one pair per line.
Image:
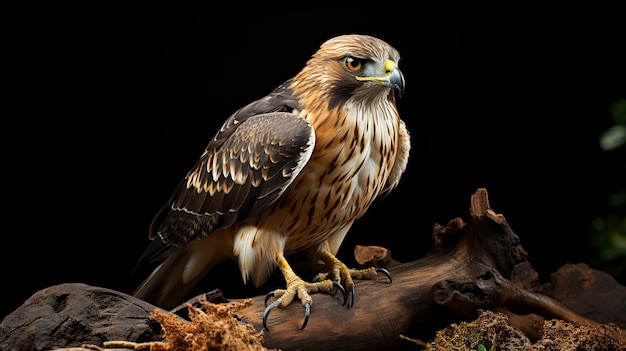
247,172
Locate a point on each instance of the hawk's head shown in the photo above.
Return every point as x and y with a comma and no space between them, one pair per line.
347,66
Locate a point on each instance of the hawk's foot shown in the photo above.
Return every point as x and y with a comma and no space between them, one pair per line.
339,272
298,287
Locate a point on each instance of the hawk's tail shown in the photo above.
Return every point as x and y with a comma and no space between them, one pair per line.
173,279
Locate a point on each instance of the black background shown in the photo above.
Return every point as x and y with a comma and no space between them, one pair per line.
108,108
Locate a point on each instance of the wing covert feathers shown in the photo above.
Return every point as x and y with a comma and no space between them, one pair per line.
247,172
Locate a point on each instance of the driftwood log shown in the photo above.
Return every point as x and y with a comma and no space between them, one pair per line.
473,266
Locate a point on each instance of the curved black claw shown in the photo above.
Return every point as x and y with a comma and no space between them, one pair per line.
385,272
273,305
269,309
307,313
338,286
352,292
268,296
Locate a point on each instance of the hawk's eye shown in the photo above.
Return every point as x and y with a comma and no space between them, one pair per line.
353,63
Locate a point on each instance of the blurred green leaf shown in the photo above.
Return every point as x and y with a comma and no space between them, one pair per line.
613,138
618,111
608,232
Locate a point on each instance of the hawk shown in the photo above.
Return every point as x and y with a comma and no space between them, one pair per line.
288,173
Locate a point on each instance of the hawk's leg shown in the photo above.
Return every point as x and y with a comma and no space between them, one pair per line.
339,272
297,287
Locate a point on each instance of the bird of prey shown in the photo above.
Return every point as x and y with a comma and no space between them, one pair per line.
288,173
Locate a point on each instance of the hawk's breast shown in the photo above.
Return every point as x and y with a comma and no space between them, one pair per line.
353,157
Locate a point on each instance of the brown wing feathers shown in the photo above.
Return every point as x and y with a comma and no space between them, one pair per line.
246,173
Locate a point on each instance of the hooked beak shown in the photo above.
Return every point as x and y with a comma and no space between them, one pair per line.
392,77
396,81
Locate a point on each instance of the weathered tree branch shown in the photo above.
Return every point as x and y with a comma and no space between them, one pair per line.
473,266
